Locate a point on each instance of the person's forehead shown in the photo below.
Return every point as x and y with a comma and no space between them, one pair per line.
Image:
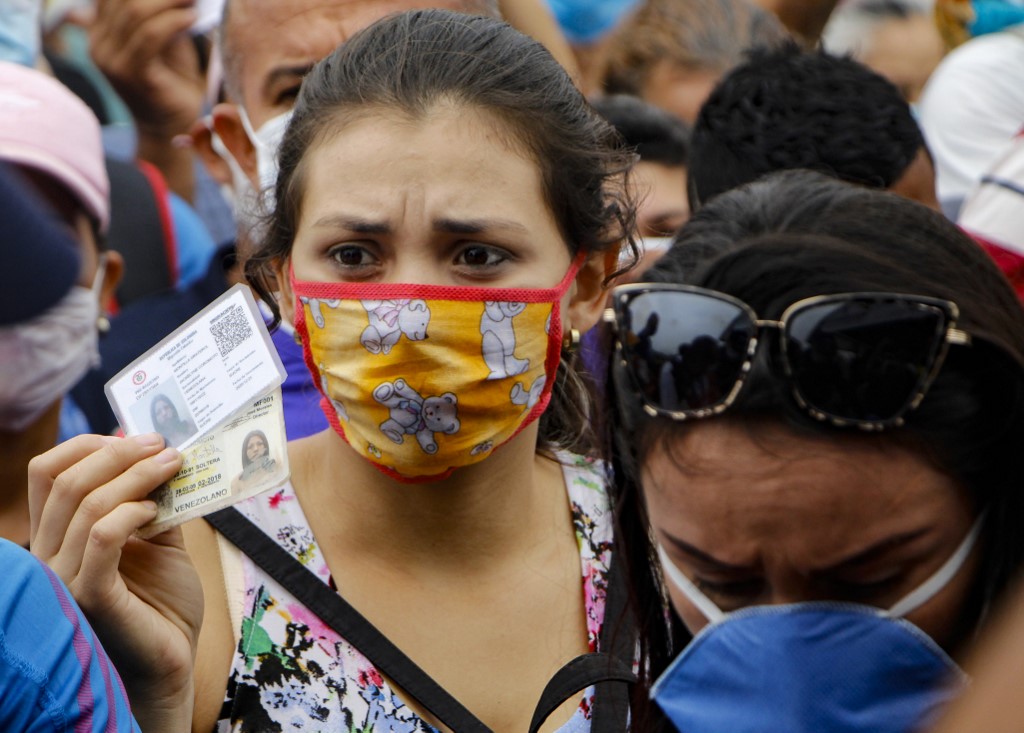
274,34
741,489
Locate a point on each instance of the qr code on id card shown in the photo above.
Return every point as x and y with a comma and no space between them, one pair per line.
230,328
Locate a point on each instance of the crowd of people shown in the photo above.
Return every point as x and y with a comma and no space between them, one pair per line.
694,403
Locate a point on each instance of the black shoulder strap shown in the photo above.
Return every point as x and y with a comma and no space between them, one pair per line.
585,670
343,618
607,670
619,634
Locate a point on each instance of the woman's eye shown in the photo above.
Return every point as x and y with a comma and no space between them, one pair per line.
352,256
480,256
732,589
867,591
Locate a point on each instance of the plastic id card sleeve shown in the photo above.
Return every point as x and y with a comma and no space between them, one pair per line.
212,389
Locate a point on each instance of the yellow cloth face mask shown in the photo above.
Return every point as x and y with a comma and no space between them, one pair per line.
423,379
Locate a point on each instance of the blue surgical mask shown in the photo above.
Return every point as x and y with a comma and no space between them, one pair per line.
20,31
810,667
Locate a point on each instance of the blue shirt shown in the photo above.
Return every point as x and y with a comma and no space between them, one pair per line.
54,675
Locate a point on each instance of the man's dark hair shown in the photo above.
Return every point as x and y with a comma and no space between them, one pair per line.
790,108
656,135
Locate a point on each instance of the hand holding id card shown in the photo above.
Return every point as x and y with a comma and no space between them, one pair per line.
212,389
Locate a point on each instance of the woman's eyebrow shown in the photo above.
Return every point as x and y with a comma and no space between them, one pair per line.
875,551
350,223
705,558
476,226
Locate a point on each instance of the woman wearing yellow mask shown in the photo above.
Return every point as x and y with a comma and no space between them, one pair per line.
445,204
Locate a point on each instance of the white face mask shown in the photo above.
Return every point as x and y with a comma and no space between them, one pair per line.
909,603
648,245
239,194
41,359
250,205
267,141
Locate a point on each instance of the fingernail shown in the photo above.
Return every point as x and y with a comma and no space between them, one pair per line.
167,455
149,439
148,504
108,439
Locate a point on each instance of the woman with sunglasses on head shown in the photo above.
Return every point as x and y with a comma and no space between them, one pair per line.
444,204
817,418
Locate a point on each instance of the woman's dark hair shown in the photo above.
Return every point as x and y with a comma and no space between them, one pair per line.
798,234
166,400
412,62
656,135
245,446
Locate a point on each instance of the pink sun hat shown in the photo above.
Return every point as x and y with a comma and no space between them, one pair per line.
44,126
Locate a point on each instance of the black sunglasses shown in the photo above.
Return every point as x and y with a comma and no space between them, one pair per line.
864,359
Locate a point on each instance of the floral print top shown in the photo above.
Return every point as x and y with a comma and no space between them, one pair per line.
292,672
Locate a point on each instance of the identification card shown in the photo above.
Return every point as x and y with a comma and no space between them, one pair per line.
212,389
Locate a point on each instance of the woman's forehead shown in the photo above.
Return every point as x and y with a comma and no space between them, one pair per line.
765,482
394,167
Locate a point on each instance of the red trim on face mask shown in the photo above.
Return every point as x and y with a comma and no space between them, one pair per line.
385,291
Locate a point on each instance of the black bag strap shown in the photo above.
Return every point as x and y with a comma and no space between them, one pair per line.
343,618
619,640
607,670
579,674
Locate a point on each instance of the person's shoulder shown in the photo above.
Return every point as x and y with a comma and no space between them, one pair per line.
22,570
33,599
49,656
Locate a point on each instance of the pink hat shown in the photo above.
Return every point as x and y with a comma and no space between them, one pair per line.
45,126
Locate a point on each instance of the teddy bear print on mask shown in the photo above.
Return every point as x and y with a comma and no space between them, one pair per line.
413,414
390,319
485,447
339,409
499,339
528,398
316,305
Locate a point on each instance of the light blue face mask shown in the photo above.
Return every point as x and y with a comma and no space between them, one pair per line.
20,31
810,667
588,21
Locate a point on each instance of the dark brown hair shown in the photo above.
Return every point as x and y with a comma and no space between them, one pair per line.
411,62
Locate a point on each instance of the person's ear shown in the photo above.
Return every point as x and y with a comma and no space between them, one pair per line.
589,294
227,123
285,296
202,142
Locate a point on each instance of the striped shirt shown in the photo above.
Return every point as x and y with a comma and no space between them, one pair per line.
54,674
